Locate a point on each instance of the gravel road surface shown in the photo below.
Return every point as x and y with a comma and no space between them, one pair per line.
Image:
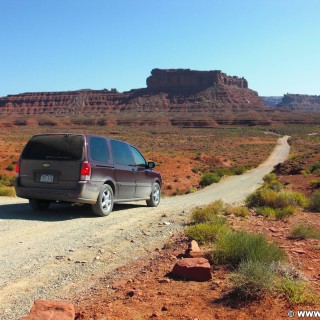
61,252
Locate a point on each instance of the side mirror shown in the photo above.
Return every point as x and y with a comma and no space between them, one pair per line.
151,165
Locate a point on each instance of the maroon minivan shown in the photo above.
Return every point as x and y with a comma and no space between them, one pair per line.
81,168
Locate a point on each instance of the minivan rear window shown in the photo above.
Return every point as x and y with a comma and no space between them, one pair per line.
54,147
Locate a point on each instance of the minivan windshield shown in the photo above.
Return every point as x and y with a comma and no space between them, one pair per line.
54,147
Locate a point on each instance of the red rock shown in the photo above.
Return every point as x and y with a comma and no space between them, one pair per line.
193,250
272,229
51,310
298,250
193,269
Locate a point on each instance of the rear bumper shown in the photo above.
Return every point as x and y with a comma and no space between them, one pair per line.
84,193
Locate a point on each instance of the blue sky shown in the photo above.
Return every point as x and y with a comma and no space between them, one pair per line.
59,45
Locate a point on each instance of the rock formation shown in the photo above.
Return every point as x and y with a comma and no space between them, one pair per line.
186,78
271,101
300,102
180,97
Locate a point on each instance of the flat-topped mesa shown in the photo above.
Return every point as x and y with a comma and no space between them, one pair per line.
186,78
300,102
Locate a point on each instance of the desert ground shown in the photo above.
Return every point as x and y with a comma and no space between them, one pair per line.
143,288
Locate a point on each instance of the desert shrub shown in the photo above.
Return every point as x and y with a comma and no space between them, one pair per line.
270,177
46,122
266,212
237,246
297,291
314,204
278,213
7,191
207,213
206,232
305,231
271,182
287,270
6,181
10,167
315,184
262,198
313,167
283,213
20,122
291,198
220,171
252,279
209,178
239,211
273,199
238,170
191,190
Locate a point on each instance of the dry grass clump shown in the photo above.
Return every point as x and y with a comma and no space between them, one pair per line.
272,201
305,231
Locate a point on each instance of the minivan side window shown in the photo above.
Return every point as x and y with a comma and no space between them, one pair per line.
99,149
138,158
121,153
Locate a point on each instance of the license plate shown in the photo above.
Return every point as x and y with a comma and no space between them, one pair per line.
46,178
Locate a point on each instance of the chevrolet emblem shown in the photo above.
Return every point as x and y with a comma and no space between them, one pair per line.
46,165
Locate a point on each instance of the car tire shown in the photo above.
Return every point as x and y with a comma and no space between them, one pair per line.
104,204
39,205
154,196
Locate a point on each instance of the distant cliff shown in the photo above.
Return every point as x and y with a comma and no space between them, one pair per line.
186,78
300,102
172,90
272,101
179,97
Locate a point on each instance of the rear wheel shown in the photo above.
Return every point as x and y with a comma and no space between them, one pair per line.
39,205
154,196
104,204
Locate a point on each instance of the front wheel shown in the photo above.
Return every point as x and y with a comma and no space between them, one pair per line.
39,205
154,196
104,204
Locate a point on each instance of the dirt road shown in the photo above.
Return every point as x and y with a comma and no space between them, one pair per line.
56,254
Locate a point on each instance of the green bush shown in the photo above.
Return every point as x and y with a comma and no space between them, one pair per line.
305,231
252,279
209,178
291,198
206,232
221,171
238,170
7,191
239,211
273,199
237,246
297,292
262,198
207,213
283,213
270,177
314,204
313,167
266,212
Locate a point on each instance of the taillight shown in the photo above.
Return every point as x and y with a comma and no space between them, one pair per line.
17,168
85,171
